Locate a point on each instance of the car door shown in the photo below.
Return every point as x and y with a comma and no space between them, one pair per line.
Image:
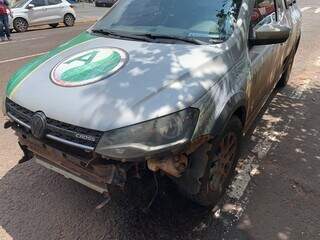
38,14
264,58
55,11
283,18
294,16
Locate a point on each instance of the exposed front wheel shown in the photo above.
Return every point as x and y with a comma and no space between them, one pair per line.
69,20
20,25
221,157
54,25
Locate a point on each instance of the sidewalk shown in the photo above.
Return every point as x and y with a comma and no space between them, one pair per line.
88,12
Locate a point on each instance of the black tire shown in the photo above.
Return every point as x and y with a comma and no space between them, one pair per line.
54,25
20,25
69,20
220,169
286,74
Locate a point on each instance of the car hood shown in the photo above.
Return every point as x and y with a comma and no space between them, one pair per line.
154,79
19,10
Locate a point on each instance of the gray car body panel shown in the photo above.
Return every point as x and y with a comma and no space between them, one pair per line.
160,79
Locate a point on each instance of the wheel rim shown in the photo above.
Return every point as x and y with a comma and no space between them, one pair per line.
21,25
69,20
223,161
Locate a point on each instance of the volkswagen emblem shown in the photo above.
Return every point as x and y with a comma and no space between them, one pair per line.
38,124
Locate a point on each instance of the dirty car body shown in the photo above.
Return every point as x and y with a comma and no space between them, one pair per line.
155,85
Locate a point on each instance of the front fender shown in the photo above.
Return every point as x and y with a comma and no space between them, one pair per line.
215,114
189,181
15,16
235,102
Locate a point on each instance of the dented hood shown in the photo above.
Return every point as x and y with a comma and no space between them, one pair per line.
104,83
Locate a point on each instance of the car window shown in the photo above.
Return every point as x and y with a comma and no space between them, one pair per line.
280,8
263,13
38,3
279,4
19,4
54,2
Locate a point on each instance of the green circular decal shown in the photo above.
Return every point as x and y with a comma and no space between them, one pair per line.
88,67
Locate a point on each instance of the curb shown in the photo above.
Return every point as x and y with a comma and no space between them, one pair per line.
87,20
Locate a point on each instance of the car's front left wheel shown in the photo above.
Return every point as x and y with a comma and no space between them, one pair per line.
20,25
69,20
220,156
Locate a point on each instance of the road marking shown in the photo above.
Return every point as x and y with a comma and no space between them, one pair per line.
242,179
22,40
317,10
21,58
304,9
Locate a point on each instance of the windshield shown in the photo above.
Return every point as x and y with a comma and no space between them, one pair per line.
200,19
19,4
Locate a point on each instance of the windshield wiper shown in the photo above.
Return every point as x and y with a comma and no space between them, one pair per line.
172,37
217,40
120,34
151,37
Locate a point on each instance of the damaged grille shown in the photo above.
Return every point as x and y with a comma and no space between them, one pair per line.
57,131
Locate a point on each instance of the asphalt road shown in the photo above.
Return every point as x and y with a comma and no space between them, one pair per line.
275,196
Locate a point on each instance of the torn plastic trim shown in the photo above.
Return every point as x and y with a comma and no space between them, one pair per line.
176,164
69,175
94,170
173,166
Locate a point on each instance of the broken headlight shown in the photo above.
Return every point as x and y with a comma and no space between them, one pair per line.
150,137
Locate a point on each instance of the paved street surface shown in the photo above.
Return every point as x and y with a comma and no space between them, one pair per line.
275,196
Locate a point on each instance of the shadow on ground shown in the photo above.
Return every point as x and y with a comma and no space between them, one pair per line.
36,203
39,204
286,207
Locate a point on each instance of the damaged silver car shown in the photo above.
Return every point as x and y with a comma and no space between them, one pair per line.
166,86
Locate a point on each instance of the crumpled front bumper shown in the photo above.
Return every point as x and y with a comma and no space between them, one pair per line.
93,173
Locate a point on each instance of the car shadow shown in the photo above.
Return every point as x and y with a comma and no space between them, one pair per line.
36,203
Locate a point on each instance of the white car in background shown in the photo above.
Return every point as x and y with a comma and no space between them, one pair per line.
41,12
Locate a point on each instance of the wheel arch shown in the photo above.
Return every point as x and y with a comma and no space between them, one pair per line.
69,13
13,23
235,106
22,17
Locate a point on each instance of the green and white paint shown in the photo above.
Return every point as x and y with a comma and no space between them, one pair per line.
23,73
88,67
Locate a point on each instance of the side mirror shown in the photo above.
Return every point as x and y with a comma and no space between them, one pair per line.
270,34
30,6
